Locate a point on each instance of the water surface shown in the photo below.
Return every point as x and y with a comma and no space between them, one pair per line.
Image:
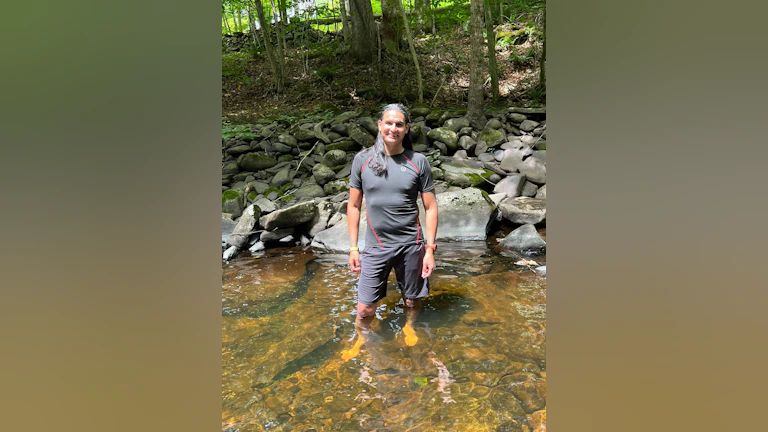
479,363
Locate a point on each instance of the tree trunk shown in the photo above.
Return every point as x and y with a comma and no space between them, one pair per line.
363,31
475,103
225,21
273,64
409,36
344,21
492,54
543,60
281,48
418,6
238,21
283,11
390,28
252,26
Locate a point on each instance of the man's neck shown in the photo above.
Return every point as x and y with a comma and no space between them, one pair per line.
394,150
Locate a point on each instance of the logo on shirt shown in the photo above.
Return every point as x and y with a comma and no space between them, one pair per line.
402,168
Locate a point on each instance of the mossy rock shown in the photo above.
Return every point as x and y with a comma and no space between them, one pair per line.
492,137
418,111
256,162
446,136
335,187
232,202
433,116
346,145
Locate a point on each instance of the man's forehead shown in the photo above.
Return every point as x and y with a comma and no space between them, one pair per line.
393,115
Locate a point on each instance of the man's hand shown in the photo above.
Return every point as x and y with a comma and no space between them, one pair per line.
429,264
354,261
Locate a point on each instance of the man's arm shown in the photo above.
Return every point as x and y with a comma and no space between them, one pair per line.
430,208
354,205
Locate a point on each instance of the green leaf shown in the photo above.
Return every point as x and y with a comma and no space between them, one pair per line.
422,381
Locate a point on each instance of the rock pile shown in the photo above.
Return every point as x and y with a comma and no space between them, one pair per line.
286,181
296,34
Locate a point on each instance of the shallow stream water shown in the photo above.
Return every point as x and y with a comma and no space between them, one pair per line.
478,365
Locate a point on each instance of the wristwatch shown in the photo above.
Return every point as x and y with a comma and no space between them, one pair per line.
431,246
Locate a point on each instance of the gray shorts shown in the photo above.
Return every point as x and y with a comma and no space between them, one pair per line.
377,262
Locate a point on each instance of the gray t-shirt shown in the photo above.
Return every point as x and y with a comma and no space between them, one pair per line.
390,200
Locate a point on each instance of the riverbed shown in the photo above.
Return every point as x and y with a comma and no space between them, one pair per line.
291,361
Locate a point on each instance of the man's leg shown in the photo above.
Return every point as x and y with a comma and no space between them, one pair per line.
365,315
412,307
413,287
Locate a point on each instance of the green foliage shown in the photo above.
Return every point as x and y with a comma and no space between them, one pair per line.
236,131
234,64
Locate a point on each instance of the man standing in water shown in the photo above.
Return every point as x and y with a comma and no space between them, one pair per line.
391,175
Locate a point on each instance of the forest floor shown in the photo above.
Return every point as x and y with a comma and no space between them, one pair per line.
323,78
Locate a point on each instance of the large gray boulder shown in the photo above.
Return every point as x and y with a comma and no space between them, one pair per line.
276,235
335,187
333,158
360,135
455,124
336,238
232,202
445,136
534,170
256,162
322,174
309,191
516,118
463,176
464,214
369,124
492,137
287,139
320,221
281,178
529,190
265,205
304,135
512,157
524,239
230,168
290,216
245,226
523,210
227,226
467,143
512,186
528,125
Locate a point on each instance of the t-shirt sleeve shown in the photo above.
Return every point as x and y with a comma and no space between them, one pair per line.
355,177
425,177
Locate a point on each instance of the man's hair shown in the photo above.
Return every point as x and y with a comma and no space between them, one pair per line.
378,163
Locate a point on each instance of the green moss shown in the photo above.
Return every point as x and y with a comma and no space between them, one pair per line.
272,189
229,195
487,198
284,198
252,196
475,179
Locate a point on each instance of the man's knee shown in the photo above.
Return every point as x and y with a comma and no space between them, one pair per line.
365,311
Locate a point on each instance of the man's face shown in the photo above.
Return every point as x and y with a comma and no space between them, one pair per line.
393,127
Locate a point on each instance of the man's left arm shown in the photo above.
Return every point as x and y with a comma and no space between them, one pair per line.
430,209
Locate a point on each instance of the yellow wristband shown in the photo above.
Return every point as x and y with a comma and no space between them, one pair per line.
354,248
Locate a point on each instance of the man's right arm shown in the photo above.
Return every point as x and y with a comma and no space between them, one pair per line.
354,205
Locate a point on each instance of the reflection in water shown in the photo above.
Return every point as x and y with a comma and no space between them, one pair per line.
473,358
